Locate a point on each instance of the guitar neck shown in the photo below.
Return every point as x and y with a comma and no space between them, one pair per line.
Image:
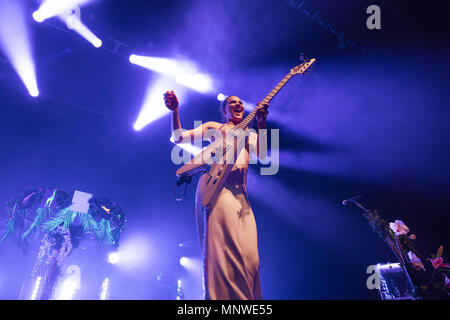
244,124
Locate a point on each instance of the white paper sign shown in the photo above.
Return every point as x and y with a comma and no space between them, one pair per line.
80,201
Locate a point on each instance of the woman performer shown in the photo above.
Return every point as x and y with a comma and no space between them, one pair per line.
227,231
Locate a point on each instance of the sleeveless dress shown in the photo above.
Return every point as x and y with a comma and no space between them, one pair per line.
228,238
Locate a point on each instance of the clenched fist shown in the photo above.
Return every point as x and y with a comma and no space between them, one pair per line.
262,112
171,100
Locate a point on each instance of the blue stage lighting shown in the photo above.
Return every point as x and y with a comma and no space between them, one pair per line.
105,289
153,106
74,23
36,288
53,8
184,72
184,261
15,42
165,66
113,258
199,82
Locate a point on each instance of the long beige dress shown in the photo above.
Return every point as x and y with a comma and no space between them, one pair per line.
228,238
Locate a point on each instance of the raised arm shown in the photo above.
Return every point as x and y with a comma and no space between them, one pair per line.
178,134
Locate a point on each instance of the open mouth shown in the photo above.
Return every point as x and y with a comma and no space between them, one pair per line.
238,109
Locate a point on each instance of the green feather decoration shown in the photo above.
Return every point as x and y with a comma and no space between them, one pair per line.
104,234
17,218
88,222
41,215
65,216
109,237
9,229
69,218
101,229
46,219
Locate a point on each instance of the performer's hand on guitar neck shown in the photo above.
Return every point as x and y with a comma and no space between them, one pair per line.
171,100
261,114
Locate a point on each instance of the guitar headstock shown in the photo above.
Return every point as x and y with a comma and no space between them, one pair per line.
303,67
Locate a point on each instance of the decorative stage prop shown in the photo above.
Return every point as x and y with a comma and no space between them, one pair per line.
406,279
60,221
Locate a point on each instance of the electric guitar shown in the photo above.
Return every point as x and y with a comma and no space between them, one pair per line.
221,155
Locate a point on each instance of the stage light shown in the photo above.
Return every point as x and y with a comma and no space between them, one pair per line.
165,66
113,258
187,243
135,253
71,284
153,107
34,92
185,72
133,59
199,82
36,287
193,273
74,23
180,290
221,97
189,148
52,8
184,261
68,289
37,16
69,12
105,288
15,42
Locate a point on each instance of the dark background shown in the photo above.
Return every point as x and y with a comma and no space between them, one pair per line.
370,119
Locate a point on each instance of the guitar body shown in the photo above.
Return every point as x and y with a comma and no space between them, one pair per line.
220,156
200,162
212,183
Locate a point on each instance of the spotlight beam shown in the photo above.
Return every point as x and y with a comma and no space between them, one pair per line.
153,106
53,8
184,72
165,66
105,289
15,42
69,12
199,82
36,288
74,23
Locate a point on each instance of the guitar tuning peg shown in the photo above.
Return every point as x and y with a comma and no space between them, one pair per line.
302,57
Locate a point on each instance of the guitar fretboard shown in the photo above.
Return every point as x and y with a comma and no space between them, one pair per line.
244,124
